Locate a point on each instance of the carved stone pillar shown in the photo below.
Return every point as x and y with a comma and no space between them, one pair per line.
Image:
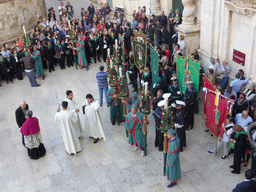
155,7
188,28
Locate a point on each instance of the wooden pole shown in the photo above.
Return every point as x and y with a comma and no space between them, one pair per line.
165,152
216,143
144,131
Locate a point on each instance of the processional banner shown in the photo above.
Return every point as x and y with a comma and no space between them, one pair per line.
154,64
216,108
187,70
139,47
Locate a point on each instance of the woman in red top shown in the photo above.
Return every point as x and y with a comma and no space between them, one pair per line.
167,51
20,42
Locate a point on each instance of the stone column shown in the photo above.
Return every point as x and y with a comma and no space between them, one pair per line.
155,7
188,28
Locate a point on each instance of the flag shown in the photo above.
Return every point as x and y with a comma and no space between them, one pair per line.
187,70
154,64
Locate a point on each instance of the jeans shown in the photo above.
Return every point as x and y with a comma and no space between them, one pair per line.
32,78
101,95
157,41
223,83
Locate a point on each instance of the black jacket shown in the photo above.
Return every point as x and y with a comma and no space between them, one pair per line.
20,116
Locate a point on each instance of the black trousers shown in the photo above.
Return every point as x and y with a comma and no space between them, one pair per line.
94,55
181,134
159,139
253,168
69,60
133,79
237,160
62,61
104,54
190,115
51,64
98,54
23,141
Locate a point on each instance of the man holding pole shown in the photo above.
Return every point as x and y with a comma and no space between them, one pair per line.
173,171
134,124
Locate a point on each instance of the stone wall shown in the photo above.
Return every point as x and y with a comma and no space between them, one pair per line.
17,13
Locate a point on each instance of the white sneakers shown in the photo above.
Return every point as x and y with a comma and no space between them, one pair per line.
142,154
135,148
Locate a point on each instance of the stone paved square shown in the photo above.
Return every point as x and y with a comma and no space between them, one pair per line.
106,166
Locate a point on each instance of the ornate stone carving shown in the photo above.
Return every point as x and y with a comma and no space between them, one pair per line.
242,7
188,12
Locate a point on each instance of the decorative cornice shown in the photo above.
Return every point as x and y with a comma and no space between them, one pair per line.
245,10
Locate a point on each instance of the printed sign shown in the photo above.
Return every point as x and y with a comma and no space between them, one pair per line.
238,57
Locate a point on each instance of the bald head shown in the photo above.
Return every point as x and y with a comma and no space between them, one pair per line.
245,114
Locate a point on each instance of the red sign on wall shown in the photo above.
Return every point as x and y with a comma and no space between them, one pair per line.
238,57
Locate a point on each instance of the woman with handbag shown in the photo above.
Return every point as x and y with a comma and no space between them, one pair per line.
239,144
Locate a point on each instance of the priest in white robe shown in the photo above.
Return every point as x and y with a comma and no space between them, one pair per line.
93,126
68,122
72,106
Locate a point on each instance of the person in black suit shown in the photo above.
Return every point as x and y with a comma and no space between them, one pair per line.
127,38
162,19
20,114
108,24
248,180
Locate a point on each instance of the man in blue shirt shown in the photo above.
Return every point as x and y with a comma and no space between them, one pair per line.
243,119
237,83
103,84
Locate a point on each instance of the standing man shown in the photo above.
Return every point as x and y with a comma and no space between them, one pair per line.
174,89
68,122
73,107
190,98
127,38
102,80
92,119
29,65
70,10
39,65
173,171
60,9
180,114
134,124
20,115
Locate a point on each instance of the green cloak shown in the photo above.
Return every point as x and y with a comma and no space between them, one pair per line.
173,167
39,66
135,124
114,108
81,54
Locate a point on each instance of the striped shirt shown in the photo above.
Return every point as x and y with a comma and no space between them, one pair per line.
102,79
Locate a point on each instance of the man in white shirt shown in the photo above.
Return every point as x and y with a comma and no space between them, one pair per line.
60,9
213,65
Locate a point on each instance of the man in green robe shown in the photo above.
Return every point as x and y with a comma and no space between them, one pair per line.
173,160
39,65
134,124
133,100
116,111
81,53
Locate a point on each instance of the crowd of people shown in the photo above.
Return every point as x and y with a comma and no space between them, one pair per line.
97,31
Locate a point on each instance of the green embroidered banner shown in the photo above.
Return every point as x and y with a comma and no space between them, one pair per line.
154,64
140,53
187,70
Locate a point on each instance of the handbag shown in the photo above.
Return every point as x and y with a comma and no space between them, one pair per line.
231,145
57,56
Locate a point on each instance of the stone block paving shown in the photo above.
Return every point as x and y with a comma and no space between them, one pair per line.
109,166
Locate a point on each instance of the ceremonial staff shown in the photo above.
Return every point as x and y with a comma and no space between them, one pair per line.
72,39
145,108
166,124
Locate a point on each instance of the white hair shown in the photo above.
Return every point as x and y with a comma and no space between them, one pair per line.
22,101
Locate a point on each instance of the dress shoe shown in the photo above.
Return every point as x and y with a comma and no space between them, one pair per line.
114,122
234,172
43,77
53,69
171,185
38,85
232,166
210,152
223,157
99,60
96,140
